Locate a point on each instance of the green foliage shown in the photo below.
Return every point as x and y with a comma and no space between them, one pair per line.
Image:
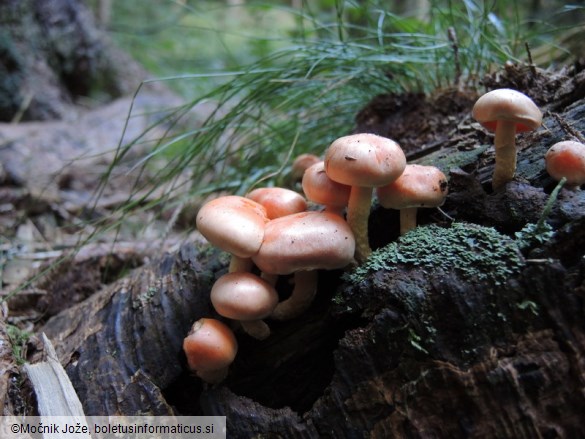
293,82
537,234
18,339
181,38
305,93
534,234
475,252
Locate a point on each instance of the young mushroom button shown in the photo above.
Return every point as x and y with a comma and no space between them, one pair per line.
301,244
363,161
247,298
567,159
210,347
506,112
419,186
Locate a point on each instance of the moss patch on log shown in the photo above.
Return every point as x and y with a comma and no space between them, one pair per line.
475,252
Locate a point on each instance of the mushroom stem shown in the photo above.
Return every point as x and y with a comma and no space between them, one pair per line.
358,213
240,265
505,145
213,376
407,219
301,297
256,328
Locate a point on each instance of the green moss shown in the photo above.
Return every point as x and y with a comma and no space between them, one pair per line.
475,252
18,339
541,232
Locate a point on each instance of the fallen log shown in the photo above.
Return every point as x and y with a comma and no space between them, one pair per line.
446,345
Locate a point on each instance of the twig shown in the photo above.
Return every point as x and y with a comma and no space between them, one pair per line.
530,62
445,214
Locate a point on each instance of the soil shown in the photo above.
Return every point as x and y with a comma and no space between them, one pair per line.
409,349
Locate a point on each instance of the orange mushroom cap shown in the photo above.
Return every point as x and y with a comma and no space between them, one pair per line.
320,189
234,224
243,296
278,201
210,347
302,163
365,160
567,159
505,104
418,186
305,241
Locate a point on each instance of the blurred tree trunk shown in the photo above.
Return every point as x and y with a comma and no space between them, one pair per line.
413,8
53,56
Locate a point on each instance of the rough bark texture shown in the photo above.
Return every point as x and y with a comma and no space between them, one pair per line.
51,55
121,348
456,346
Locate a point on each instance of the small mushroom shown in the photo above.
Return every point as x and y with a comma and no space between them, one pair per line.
210,347
363,161
278,201
418,186
236,225
301,164
506,112
301,244
320,189
246,298
567,159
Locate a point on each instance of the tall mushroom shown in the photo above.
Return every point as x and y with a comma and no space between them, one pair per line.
567,159
506,112
210,347
418,186
363,161
246,298
234,224
301,244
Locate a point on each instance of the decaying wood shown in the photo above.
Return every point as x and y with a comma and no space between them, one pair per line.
54,393
412,351
61,161
123,345
8,366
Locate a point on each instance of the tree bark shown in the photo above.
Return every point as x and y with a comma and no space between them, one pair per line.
52,55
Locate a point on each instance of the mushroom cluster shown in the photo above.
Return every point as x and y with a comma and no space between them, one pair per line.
273,232
268,233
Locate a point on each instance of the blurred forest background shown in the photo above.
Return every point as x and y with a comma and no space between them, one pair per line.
301,70
247,86
171,38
